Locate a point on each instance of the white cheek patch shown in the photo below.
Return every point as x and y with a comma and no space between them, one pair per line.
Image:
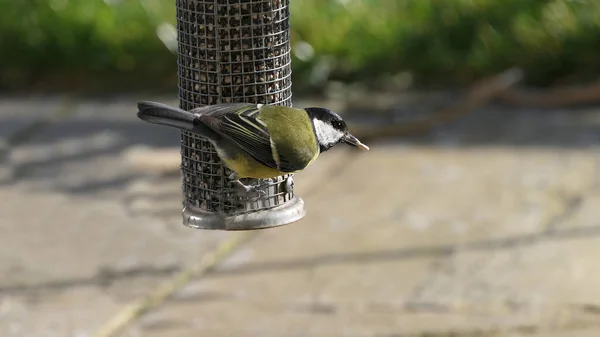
326,134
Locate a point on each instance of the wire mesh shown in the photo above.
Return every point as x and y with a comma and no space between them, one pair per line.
230,51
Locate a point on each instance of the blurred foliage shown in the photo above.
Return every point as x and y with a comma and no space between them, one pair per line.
82,42
453,41
79,43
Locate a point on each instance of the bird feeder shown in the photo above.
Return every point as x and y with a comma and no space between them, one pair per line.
232,51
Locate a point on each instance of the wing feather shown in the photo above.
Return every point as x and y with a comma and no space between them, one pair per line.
239,123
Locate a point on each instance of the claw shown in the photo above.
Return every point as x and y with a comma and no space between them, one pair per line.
248,188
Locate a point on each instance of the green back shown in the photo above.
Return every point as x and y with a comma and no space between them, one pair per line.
293,135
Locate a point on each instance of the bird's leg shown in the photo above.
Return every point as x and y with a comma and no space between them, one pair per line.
236,180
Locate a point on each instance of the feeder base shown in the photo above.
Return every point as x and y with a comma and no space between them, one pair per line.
287,213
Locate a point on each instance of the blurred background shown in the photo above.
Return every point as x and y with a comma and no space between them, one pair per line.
474,214
130,45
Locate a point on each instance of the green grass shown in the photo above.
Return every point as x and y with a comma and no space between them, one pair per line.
96,43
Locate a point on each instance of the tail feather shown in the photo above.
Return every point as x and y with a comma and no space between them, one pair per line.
159,113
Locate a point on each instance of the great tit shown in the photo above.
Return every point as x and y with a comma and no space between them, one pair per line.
258,140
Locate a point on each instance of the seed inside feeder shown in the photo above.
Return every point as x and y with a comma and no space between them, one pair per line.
239,53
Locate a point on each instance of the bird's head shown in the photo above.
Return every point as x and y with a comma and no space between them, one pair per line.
331,129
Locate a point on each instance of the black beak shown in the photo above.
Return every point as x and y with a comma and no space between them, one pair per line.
350,139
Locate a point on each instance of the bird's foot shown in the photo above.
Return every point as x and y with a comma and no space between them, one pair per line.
248,188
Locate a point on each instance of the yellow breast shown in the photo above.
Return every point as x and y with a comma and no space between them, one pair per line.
246,167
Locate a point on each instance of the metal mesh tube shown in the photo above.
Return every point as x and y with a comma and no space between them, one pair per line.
231,51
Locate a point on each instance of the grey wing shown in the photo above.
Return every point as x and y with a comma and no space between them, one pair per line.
238,123
219,110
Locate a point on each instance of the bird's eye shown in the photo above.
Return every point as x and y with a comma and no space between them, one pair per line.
338,124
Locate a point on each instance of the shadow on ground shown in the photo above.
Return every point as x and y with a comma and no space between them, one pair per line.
106,277
83,153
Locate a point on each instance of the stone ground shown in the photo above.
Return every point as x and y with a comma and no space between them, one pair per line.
487,227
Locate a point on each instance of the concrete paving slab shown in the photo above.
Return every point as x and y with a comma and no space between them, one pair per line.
17,113
69,235
431,240
449,235
48,238
568,333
